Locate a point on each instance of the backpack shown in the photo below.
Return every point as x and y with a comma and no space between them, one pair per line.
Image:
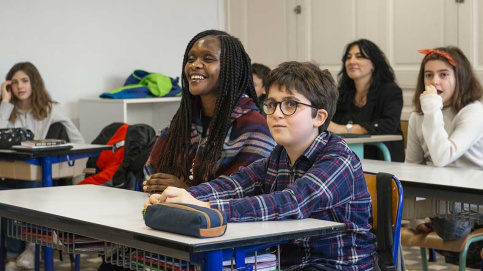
123,166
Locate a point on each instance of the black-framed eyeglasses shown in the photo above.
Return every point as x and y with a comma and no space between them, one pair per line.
288,107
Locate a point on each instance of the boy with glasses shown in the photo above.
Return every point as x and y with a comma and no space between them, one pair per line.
311,173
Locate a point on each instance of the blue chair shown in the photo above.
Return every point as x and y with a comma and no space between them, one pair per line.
396,211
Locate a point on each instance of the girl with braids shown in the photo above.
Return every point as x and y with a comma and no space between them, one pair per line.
217,127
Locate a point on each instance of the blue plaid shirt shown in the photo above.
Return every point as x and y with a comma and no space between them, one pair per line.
325,182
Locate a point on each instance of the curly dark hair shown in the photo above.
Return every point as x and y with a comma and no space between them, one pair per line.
383,73
235,79
41,101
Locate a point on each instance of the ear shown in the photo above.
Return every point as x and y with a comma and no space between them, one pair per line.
321,117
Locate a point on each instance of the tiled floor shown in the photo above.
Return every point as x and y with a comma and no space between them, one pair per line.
412,258
90,262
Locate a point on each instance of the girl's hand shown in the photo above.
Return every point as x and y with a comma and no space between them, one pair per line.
6,93
179,195
160,181
429,90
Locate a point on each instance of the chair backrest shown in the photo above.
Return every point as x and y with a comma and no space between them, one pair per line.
397,204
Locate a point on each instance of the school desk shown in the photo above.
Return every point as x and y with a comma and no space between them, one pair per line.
114,216
357,144
46,158
441,183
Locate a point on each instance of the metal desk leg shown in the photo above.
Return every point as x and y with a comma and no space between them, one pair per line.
37,257
77,262
3,234
383,148
46,163
358,149
213,261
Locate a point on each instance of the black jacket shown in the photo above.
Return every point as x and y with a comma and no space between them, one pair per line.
381,115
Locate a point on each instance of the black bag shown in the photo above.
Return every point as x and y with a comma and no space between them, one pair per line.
13,136
384,222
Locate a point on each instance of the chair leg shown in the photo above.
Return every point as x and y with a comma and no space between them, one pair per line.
424,259
463,260
464,253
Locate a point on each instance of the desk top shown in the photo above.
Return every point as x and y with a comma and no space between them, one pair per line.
428,175
114,215
445,183
373,138
77,149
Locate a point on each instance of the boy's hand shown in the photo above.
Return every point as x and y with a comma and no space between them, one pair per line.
179,195
160,181
430,89
6,94
153,199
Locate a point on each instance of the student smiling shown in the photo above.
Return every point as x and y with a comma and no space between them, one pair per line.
370,101
310,173
218,127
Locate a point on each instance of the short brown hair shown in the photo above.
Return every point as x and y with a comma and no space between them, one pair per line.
308,79
467,88
261,71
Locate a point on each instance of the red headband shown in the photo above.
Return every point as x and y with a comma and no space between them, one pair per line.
429,52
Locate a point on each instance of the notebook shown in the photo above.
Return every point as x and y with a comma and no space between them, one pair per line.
42,148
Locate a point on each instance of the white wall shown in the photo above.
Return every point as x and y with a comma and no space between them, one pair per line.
84,48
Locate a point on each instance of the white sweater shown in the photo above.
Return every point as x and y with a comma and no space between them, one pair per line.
39,127
442,138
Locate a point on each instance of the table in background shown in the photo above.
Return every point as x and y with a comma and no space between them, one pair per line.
114,215
46,158
357,144
442,183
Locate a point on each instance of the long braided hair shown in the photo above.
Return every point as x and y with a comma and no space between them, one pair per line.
234,80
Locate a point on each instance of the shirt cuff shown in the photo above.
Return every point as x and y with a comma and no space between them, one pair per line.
431,103
5,110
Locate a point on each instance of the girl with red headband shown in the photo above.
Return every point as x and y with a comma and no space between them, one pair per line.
446,127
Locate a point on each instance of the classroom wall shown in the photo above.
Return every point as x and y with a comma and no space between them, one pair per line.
84,48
